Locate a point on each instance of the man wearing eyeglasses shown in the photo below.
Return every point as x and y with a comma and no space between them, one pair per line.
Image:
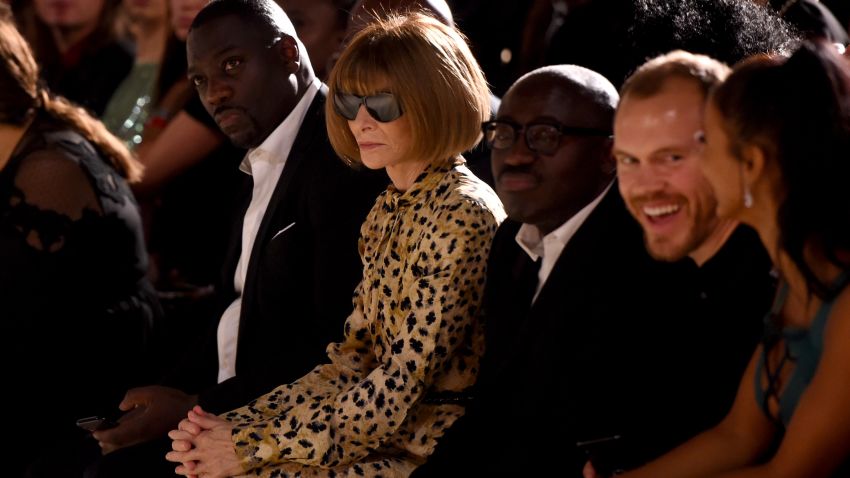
553,305
564,273
551,143
293,263
583,336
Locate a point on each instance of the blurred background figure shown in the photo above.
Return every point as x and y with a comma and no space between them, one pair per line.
321,26
78,312
614,37
77,48
128,109
495,30
173,94
364,12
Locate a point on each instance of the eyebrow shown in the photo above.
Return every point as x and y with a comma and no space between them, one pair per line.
225,49
655,152
190,70
671,149
620,153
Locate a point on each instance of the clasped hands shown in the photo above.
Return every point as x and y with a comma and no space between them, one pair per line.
202,445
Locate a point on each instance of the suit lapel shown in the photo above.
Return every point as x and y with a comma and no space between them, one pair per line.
526,271
281,197
508,294
581,251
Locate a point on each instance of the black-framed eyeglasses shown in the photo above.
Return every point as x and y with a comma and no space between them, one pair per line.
543,138
383,107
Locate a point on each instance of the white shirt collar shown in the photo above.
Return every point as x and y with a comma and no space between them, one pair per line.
529,239
550,246
276,147
265,164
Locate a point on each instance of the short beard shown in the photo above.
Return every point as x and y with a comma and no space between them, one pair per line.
671,253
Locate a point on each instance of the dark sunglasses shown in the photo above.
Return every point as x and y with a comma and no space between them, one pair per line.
383,107
543,138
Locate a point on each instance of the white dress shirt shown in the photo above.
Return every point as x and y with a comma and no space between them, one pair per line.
265,164
550,246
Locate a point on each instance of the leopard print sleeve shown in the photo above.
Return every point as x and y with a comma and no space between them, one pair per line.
414,330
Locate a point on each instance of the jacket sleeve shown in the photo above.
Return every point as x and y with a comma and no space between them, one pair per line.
340,411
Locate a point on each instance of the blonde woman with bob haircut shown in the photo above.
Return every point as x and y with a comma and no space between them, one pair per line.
406,96
445,97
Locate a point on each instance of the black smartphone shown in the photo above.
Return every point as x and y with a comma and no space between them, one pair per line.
96,423
605,454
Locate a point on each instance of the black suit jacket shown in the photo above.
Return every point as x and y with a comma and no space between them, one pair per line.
601,352
302,272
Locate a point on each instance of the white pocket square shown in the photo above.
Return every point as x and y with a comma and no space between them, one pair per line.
282,231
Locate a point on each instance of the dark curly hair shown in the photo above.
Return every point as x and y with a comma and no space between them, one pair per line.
615,37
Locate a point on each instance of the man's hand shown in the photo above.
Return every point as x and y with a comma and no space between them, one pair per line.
589,471
151,412
203,447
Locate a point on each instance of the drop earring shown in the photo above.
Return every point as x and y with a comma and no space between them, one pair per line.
748,196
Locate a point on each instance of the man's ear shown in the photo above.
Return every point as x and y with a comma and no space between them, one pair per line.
289,52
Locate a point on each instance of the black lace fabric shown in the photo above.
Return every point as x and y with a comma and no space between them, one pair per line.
76,311
50,195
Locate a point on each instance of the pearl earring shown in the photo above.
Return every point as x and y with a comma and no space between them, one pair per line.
748,197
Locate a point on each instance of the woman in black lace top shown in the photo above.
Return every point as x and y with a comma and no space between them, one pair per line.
75,308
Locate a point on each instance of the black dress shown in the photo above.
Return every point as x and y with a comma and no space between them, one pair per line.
76,311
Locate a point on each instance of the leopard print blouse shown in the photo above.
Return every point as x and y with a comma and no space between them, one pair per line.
414,335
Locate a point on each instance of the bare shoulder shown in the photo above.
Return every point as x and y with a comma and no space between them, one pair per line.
839,319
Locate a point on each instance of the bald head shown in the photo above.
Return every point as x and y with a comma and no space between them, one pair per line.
589,95
364,11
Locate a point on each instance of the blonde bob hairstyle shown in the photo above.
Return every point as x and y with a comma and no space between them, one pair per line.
430,70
